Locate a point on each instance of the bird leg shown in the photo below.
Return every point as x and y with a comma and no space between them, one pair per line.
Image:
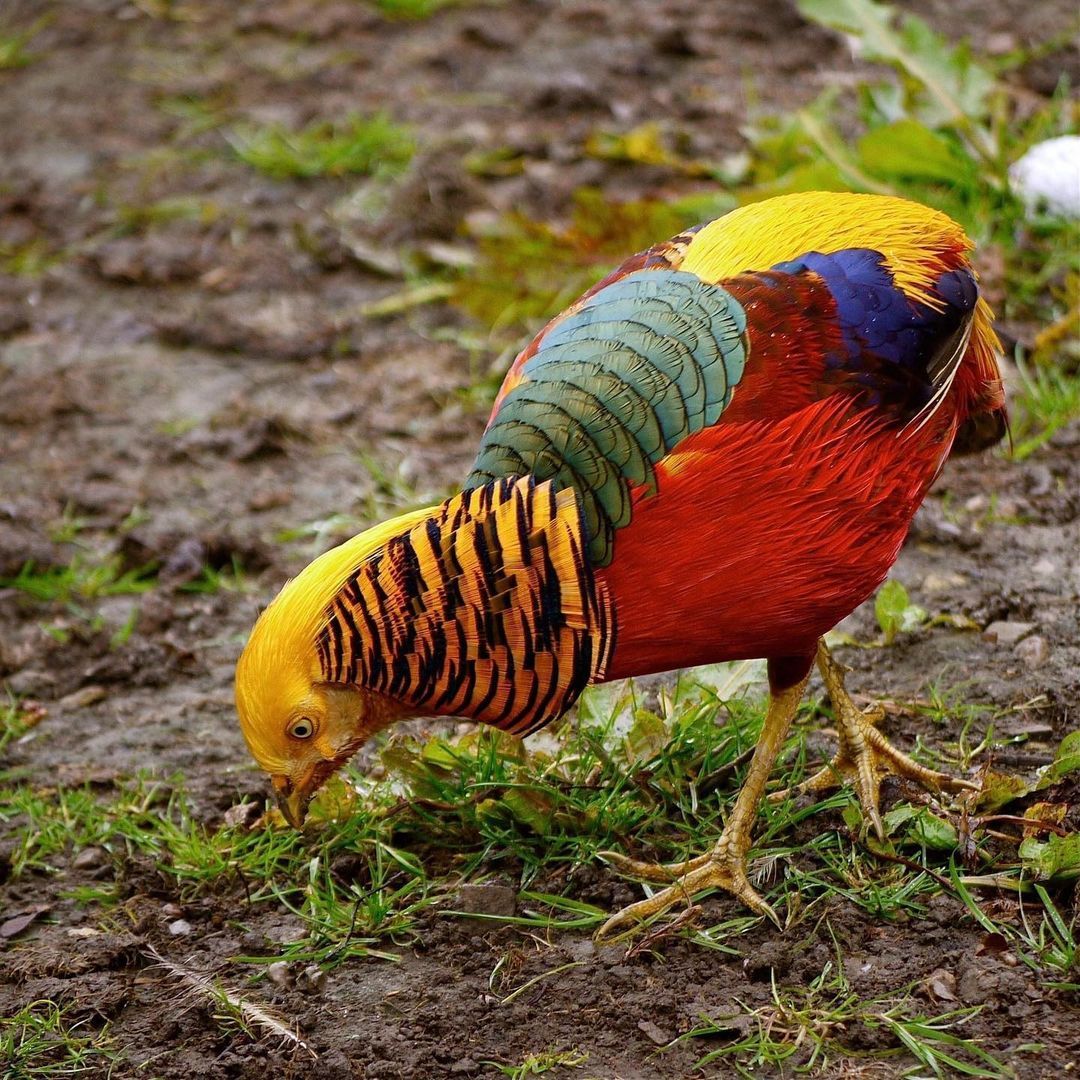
724,867
865,755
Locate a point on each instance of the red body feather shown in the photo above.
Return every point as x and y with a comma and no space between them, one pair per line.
765,566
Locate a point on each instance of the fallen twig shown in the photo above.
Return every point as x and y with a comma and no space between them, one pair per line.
204,985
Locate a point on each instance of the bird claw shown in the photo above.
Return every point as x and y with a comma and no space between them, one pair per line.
717,869
662,873
865,756
725,866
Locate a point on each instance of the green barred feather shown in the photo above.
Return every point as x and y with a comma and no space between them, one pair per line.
615,386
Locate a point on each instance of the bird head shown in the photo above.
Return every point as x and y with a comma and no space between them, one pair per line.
299,727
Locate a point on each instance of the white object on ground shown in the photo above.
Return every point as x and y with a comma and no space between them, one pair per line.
1049,175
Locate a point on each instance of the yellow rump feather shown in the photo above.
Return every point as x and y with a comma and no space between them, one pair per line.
915,241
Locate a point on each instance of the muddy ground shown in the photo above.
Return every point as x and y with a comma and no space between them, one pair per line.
183,391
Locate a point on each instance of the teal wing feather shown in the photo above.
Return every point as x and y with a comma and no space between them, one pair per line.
611,388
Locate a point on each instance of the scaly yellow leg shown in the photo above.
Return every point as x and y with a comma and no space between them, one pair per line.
865,755
725,866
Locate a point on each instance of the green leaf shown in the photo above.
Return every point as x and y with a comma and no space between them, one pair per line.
921,828
960,86
930,831
908,150
894,611
947,85
1066,761
647,737
998,790
437,755
420,775
852,816
897,816
1058,857
530,807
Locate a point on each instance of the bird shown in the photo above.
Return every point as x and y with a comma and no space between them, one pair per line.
714,454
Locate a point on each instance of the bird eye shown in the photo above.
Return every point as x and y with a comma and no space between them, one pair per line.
302,728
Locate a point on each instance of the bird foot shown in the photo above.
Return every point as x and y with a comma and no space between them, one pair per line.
722,868
725,866
865,756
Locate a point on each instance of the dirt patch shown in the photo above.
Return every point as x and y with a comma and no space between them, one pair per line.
190,380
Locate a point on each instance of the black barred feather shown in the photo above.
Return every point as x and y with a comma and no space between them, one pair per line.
487,608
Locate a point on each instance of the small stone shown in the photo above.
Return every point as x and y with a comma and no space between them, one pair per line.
581,950
269,499
486,900
29,681
312,980
179,928
1007,633
82,698
977,984
15,925
242,815
1044,567
278,973
172,911
1034,651
942,985
1001,42
286,932
657,1034
184,563
90,858
939,583
610,955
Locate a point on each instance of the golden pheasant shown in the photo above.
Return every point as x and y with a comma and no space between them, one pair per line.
714,454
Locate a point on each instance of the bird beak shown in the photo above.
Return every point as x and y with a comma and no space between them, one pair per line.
292,802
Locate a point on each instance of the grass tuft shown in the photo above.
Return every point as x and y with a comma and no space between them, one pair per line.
80,579
808,1028
14,53
412,10
41,1040
386,852
356,145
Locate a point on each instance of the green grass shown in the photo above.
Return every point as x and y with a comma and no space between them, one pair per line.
1049,399
528,270
135,219
41,1040
87,579
412,9
809,1028
14,53
538,1064
354,146
30,259
386,852
80,579
16,720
